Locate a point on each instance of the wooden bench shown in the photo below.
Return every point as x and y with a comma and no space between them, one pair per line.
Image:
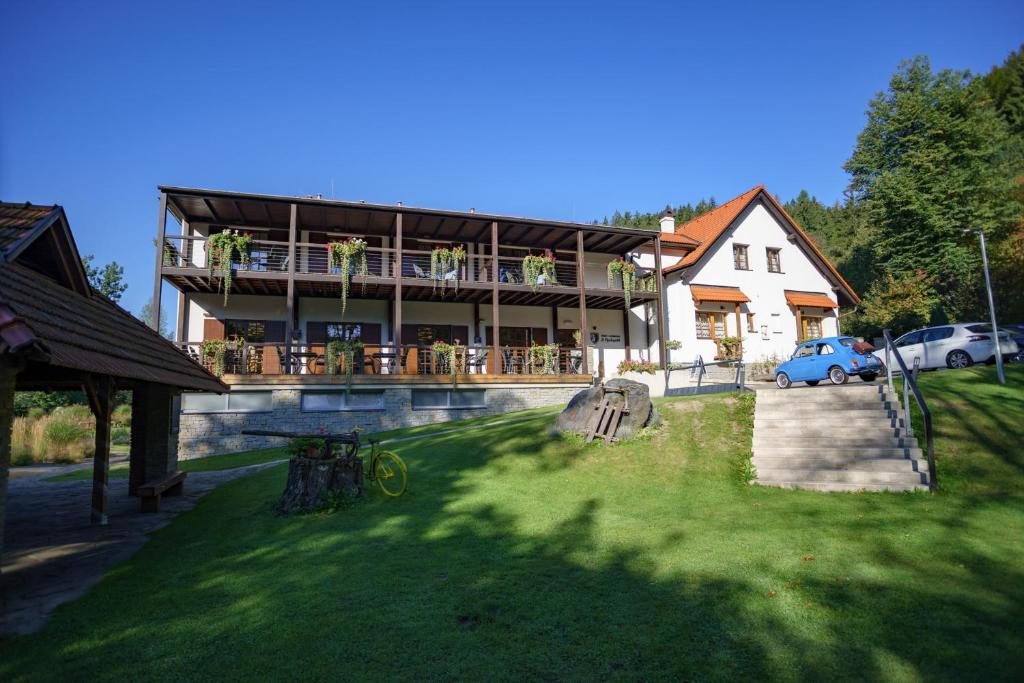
171,485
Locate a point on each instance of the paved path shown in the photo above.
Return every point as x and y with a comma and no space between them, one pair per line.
52,554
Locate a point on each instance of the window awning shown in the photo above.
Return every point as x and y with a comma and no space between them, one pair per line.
718,294
809,300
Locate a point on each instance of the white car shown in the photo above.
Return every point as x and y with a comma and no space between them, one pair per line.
950,346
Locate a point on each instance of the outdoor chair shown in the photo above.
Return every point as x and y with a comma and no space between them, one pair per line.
479,362
404,361
419,272
510,363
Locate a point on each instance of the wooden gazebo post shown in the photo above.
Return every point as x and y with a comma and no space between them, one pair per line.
100,391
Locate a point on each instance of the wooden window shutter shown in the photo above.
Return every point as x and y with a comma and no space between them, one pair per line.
539,335
213,329
316,332
273,331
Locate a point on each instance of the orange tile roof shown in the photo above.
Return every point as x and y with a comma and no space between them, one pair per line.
708,228
714,293
678,239
809,300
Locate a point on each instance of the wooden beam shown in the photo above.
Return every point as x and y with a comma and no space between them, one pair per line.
397,322
581,283
213,212
661,302
161,231
495,312
266,212
289,324
100,391
241,214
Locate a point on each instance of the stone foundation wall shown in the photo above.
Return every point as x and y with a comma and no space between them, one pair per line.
202,434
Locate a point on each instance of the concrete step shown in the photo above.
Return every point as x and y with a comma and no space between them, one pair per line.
830,433
878,420
781,413
843,486
848,442
908,477
838,452
823,397
861,463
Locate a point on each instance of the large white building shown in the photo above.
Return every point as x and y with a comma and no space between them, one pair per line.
741,276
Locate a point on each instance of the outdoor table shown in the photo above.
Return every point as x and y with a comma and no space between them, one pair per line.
304,359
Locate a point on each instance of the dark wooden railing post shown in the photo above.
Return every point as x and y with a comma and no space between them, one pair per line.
663,361
495,313
397,322
289,324
581,282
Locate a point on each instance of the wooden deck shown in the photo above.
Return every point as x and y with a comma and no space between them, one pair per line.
463,380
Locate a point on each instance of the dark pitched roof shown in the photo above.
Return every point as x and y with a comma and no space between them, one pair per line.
19,222
93,334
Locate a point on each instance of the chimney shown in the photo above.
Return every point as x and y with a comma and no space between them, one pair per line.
668,220
472,210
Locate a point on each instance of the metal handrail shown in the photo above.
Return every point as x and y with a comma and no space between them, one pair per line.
910,381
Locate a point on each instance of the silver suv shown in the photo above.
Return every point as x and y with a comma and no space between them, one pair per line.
952,346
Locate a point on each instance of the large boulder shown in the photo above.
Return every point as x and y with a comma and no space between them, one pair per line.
581,413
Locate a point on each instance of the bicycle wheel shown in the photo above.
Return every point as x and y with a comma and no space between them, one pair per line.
390,473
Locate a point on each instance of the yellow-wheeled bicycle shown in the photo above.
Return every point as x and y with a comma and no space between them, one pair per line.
386,468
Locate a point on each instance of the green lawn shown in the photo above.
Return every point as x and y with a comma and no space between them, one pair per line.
515,555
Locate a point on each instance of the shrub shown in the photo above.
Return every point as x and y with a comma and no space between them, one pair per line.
122,416
65,439
80,415
36,412
121,436
637,366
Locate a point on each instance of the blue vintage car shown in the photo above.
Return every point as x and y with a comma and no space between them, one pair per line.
831,358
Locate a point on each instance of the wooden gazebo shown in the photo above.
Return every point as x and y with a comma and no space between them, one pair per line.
56,332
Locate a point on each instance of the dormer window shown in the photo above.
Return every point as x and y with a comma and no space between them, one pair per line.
739,257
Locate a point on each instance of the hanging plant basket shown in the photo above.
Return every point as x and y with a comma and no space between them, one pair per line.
214,350
346,258
626,270
448,355
545,356
535,266
223,249
443,262
346,349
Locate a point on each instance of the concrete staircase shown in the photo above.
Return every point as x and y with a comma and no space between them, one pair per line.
835,438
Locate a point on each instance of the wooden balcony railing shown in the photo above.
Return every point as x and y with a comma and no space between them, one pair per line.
270,358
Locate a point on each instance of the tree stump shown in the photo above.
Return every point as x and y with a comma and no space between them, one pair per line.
311,479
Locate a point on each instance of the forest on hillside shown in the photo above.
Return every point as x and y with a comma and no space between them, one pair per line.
941,152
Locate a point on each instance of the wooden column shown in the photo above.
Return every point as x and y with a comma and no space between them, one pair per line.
8,373
289,324
739,322
181,328
581,281
100,391
476,331
161,231
397,322
799,325
495,313
154,441
661,304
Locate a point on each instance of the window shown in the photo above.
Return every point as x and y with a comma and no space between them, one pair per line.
938,334
803,351
812,327
344,331
774,260
444,399
908,339
710,325
234,402
739,257
252,331
825,349
847,341
327,401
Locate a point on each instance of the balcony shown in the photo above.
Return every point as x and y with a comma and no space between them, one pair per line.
280,363
267,272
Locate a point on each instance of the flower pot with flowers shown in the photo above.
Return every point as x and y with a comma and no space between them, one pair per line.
446,265
539,269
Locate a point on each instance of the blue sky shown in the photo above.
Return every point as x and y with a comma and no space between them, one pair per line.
554,110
